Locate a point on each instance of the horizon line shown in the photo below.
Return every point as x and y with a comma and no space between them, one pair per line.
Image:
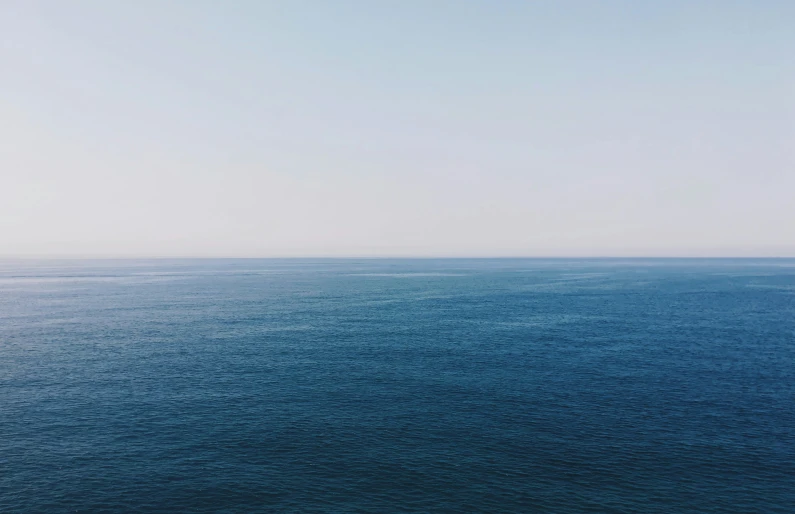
373,257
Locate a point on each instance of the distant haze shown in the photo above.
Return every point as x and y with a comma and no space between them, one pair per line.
397,128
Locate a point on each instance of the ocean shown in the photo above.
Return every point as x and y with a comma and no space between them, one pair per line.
376,385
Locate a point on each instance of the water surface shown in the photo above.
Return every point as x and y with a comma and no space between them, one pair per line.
397,385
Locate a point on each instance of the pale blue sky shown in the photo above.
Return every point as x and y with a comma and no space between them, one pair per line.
255,128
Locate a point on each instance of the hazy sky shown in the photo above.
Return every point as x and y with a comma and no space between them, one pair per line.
411,127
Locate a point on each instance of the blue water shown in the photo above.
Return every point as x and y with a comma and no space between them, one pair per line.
395,386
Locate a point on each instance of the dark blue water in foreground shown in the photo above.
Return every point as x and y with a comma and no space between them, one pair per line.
378,386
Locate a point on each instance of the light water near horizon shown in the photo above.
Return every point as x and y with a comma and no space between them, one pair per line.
376,385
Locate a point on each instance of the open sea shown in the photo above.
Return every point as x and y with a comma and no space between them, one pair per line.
449,385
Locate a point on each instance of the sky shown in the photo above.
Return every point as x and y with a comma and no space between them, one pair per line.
397,128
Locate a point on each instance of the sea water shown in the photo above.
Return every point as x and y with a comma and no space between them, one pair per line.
502,385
